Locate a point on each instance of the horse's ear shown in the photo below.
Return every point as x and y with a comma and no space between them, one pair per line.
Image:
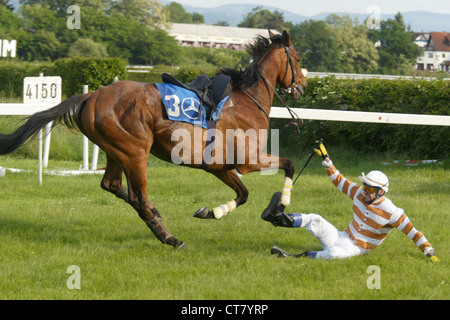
286,39
271,35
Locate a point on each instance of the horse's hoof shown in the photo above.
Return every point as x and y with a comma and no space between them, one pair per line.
182,246
176,243
203,213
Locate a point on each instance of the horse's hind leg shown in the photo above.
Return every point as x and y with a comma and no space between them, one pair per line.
136,194
112,180
231,179
136,173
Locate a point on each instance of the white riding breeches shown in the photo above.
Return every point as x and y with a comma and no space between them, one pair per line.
336,244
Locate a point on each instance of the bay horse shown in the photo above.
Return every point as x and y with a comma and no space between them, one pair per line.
128,121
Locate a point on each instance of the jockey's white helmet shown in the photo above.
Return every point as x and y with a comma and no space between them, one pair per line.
376,179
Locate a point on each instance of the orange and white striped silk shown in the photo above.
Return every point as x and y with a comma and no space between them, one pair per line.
372,223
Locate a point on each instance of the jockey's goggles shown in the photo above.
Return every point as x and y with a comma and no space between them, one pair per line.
370,189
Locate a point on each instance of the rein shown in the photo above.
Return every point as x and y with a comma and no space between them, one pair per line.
256,102
296,121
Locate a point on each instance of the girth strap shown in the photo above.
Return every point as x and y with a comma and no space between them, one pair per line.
209,148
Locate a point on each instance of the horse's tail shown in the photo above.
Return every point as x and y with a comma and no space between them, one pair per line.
66,112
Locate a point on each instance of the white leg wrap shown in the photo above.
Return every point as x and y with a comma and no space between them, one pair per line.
223,210
286,192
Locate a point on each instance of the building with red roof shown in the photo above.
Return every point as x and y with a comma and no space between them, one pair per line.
436,55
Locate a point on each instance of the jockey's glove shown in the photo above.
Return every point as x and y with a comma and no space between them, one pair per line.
320,150
433,258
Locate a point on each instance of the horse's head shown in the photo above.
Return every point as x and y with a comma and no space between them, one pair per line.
292,77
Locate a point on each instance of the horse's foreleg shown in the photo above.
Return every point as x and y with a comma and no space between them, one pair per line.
289,170
274,163
231,179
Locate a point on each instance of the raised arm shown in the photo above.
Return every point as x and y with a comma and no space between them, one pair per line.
341,182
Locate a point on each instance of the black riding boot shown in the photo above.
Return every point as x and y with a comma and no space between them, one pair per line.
275,214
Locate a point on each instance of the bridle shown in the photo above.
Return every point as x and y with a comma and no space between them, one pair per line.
295,76
296,121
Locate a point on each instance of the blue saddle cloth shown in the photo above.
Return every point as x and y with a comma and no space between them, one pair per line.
184,105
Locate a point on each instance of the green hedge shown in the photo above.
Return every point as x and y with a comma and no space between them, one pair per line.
75,72
396,96
94,72
12,74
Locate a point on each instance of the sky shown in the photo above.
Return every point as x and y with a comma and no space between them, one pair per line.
312,7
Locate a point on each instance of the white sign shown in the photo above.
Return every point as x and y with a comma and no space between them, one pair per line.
42,90
8,46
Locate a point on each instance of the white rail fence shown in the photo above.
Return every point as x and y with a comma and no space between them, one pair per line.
304,113
361,116
275,112
369,76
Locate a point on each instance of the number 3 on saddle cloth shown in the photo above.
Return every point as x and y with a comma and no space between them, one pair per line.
198,102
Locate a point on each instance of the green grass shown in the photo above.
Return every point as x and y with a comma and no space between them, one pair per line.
72,221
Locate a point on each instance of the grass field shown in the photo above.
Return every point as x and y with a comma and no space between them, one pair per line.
72,221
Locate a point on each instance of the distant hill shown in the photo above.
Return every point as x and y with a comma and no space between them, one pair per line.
418,20
235,13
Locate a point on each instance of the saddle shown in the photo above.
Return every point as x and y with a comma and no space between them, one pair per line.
210,90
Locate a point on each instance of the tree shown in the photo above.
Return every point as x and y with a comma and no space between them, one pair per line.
10,23
4,3
177,14
222,23
316,44
148,12
38,17
40,41
156,47
124,29
263,18
41,46
128,38
58,6
197,18
337,44
356,53
397,50
87,48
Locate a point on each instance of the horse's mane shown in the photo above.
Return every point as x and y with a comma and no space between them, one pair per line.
243,79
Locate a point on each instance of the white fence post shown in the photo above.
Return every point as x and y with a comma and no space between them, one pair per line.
85,140
94,157
48,133
95,150
40,158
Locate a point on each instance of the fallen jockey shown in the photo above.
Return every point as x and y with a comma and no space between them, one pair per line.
374,217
